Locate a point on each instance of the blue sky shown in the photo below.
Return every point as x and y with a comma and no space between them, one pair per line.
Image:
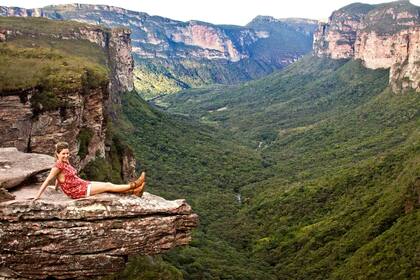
238,12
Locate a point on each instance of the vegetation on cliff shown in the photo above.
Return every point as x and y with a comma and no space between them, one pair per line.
36,59
309,173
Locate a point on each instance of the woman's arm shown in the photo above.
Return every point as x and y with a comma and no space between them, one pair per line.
53,173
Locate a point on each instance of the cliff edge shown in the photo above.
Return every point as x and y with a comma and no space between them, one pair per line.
381,36
64,238
84,238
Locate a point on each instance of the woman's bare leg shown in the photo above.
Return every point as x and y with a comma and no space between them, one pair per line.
101,187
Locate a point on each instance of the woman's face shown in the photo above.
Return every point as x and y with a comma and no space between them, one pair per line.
64,155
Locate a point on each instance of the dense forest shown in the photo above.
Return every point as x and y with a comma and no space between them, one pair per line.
309,173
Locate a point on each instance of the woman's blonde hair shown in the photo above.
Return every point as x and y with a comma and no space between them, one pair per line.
59,147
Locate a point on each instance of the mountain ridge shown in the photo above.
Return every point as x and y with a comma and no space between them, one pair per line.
171,55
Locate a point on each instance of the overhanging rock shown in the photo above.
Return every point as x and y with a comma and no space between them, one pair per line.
16,167
86,238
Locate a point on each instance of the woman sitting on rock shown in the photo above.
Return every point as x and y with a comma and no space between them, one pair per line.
75,187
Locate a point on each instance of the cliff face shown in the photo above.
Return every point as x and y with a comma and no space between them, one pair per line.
34,118
29,131
382,36
207,38
121,63
60,81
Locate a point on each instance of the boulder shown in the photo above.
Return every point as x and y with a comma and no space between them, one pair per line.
85,238
16,167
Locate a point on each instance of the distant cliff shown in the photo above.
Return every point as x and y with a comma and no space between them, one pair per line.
382,36
58,85
171,55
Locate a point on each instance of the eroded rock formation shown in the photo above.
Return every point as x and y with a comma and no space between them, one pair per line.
382,36
79,239
57,236
38,132
85,238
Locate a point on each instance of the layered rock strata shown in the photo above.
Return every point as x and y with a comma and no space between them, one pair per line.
78,239
29,131
382,36
211,41
81,239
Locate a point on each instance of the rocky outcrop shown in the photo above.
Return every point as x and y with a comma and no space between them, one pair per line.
86,238
56,236
78,239
16,167
381,36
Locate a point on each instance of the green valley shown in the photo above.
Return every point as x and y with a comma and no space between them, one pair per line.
310,173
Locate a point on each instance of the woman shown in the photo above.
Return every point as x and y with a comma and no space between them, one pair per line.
74,187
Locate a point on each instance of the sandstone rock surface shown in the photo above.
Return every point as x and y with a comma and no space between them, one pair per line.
38,132
16,167
86,238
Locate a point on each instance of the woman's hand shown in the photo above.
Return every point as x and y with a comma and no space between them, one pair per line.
53,174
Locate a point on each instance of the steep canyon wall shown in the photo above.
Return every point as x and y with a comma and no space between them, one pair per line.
381,36
80,117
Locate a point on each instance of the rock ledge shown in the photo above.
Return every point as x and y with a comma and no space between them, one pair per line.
86,238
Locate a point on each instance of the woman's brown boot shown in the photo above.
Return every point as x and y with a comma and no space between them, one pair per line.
139,191
136,184
141,179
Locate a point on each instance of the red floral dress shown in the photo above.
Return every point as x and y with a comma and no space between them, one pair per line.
72,186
